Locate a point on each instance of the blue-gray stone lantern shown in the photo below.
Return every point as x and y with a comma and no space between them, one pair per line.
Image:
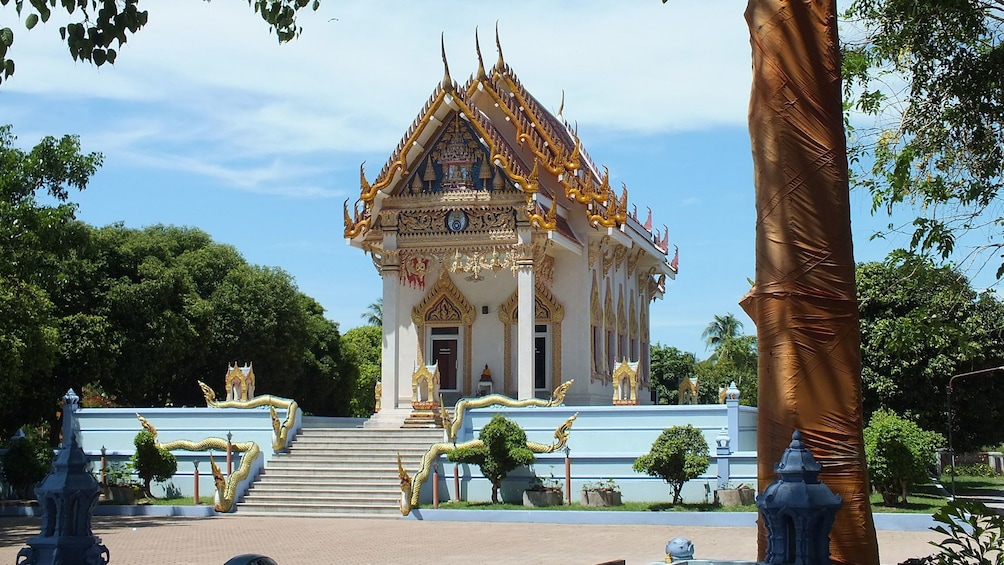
798,510
67,496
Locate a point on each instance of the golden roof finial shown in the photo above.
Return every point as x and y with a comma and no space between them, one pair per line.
481,62
500,65
447,81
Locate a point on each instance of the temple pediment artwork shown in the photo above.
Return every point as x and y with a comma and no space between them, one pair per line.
505,253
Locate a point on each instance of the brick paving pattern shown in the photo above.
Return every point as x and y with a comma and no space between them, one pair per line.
393,541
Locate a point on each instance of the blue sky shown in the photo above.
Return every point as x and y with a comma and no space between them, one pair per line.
205,121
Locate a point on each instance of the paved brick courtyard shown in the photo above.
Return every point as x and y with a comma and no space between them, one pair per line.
346,541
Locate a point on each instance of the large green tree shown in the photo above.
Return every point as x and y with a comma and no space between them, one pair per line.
362,347
374,313
35,239
669,365
921,324
734,361
98,29
931,74
142,314
721,329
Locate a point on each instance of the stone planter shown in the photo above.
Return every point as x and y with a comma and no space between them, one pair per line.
121,494
735,496
601,498
542,498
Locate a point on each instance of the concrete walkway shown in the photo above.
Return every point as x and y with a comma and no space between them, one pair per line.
391,541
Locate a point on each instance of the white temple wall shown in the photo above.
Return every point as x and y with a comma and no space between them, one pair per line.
571,287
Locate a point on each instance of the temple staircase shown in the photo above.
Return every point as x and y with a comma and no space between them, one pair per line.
348,472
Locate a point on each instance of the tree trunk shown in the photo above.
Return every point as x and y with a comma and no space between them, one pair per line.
804,302
495,491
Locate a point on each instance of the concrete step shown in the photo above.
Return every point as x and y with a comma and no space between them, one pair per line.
296,483
332,500
323,457
321,490
363,432
342,450
339,472
317,508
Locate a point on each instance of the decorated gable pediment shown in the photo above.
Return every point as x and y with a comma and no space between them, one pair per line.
457,161
444,304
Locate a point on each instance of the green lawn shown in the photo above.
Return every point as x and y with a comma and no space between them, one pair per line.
924,499
966,485
626,507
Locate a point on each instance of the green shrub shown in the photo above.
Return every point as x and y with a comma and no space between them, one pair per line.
504,449
975,534
119,474
899,455
679,454
152,462
973,470
27,461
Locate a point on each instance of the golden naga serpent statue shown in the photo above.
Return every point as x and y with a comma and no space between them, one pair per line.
411,488
281,431
226,488
452,425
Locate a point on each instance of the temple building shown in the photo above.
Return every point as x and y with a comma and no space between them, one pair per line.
509,263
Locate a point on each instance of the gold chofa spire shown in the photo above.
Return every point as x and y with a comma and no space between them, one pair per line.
481,62
500,65
447,81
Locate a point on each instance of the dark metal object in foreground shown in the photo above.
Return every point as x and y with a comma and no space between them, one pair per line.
67,496
250,559
798,510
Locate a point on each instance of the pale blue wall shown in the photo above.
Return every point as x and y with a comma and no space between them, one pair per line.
604,442
115,428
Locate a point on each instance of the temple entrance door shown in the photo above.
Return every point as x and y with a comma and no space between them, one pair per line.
541,358
444,351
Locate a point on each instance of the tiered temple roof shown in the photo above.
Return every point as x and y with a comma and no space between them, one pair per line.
538,153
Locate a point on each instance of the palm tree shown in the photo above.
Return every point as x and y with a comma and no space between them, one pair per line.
374,313
723,328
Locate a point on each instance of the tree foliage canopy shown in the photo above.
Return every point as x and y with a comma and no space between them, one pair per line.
720,329
362,348
930,72
921,324
900,455
669,365
678,455
142,314
35,240
504,450
151,461
98,29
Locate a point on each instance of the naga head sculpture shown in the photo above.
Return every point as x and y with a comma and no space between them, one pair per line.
208,392
559,392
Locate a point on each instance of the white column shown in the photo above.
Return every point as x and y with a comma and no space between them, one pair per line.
390,271
526,320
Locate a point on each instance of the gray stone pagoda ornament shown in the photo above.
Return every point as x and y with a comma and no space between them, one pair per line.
798,510
67,496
